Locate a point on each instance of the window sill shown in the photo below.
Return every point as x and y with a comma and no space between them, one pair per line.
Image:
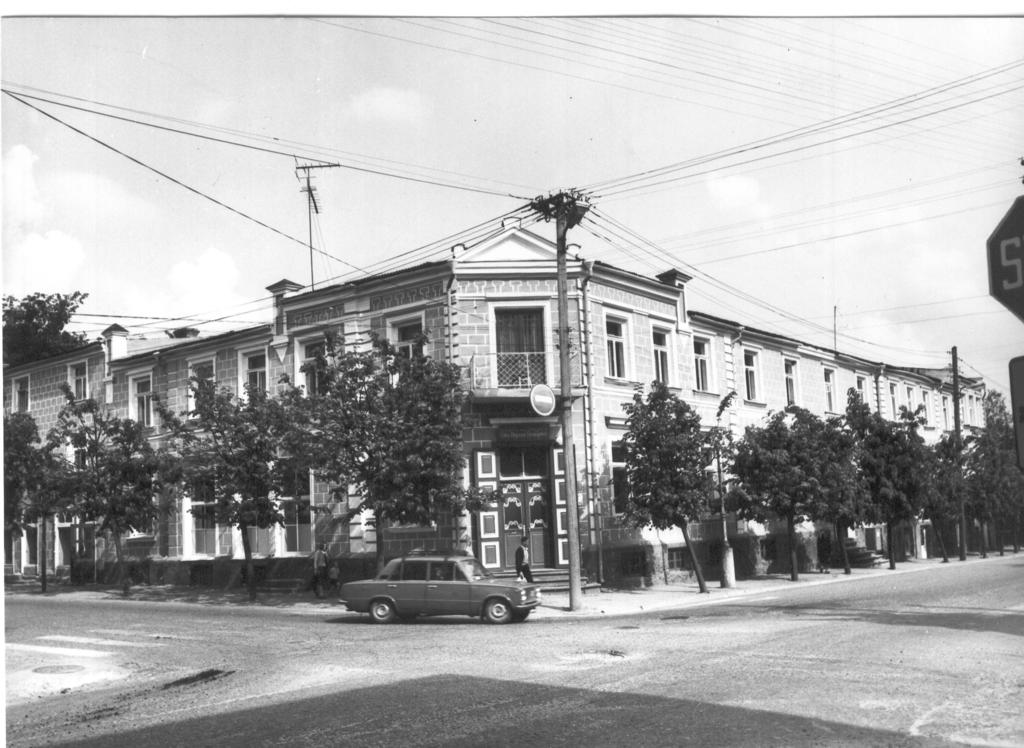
755,403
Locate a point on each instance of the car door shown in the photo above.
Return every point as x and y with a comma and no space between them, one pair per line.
410,590
447,590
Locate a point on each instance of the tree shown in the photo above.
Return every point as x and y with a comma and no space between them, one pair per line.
389,424
995,486
941,503
34,482
236,450
890,456
667,459
111,479
34,326
795,467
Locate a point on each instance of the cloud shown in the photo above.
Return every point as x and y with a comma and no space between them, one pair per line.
49,262
22,205
390,104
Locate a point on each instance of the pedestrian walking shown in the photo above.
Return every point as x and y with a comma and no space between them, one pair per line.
523,560
320,563
334,576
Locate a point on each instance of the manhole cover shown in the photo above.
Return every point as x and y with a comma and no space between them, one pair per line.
627,628
57,669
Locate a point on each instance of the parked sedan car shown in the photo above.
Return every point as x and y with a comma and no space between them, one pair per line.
439,585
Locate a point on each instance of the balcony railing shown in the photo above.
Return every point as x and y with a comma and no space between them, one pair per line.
515,371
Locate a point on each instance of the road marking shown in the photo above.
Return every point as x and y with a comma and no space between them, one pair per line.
99,642
66,651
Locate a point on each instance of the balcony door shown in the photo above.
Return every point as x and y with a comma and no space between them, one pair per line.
520,347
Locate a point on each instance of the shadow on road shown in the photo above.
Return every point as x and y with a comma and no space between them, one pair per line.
453,710
980,620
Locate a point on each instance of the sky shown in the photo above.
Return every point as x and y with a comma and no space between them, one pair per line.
833,179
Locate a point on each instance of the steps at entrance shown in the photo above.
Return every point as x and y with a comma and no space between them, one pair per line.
862,558
550,580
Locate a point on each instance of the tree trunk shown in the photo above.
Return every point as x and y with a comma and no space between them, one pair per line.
794,574
693,559
250,567
122,578
982,539
942,543
888,542
41,553
841,539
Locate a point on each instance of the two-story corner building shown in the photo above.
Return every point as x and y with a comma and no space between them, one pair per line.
493,310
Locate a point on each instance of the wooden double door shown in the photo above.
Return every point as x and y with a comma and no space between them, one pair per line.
527,501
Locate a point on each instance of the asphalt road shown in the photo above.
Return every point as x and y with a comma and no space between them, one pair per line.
930,658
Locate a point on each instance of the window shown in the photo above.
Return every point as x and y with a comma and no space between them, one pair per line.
201,371
414,570
701,368
141,403
78,380
862,385
945,412
659,339
298,527
750,375
204,518
519,347
910,399
406,338
615,331
924,406
256,371
789,366
21,394
620,484
676,559
830,394
314,377
892,401
970,420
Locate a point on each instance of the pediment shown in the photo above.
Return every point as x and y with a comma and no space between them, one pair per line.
514,245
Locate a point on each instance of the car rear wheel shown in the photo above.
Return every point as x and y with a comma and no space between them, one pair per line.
382,611
497,610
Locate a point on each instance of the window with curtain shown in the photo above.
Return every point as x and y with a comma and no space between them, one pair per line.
520,347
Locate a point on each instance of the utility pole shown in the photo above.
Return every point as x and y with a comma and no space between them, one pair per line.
956,446
311,207
568,210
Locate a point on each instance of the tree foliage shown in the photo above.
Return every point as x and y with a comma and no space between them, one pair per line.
796,467
112,474
35,481
890,456
240,452
994,484
34,326
388,424
667,459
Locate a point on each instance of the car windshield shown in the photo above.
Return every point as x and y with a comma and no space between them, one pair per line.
473,569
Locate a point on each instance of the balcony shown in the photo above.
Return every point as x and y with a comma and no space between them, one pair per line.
514,374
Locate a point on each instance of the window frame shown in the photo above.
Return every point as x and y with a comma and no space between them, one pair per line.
617,468
310,383
73,379
244,370
16,394
752,375
133,398
704,358
829,380
396,325
790,370
662,354
616,347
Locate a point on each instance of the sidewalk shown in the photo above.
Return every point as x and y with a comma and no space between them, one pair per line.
554,605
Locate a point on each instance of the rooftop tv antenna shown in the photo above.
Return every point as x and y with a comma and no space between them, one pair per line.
303,173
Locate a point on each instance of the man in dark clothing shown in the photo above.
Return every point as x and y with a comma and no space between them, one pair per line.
523,560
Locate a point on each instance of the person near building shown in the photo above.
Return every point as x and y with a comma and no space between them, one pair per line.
523,560
320,563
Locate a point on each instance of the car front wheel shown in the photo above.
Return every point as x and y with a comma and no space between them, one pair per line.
382,611
497,610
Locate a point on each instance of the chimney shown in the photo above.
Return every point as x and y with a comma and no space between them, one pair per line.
183,332
115,342
280,289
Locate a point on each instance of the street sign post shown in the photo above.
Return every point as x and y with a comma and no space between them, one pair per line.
1006,260
1017,405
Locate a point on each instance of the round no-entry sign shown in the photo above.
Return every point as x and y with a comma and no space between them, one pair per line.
542,399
